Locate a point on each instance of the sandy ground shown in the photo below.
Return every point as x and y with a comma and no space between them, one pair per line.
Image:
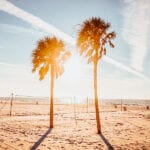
74,128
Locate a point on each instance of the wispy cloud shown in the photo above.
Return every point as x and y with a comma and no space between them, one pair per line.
37,22
125,68
18,30
136,18
33,20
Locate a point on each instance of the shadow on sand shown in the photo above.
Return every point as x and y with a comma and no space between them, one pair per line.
109,146
35,146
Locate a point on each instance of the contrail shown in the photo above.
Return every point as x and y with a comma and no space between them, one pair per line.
34,21
37,22
122,66
136,30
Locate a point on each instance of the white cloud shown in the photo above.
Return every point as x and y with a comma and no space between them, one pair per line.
125,68
18,30
136,18
34,21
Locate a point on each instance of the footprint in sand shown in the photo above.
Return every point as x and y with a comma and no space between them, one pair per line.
21,144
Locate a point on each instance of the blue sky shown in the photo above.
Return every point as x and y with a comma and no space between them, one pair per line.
18,37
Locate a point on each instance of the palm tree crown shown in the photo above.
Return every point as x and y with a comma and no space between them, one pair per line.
49,53
93,37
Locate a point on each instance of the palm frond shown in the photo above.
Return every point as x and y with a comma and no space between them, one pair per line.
43,71
91,59
65,56
93,34
49,51
89,52
111,44
59,69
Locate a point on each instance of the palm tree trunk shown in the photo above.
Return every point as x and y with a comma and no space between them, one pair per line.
51,98
96,99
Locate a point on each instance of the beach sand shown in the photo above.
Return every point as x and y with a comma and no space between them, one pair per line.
74,127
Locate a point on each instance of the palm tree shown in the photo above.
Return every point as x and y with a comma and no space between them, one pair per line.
50,54
93,36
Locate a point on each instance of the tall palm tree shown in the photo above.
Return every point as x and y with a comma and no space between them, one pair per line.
50,54
93,36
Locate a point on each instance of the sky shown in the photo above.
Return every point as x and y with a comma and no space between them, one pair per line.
123,73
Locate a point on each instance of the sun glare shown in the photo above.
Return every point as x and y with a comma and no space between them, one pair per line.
73,68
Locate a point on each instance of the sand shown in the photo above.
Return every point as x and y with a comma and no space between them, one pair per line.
74,127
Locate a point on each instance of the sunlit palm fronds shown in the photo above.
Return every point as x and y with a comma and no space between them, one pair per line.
93,37
49,52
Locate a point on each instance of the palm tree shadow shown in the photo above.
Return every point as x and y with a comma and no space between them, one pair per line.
109,146
36,144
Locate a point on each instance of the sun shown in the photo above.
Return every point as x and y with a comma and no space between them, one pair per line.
73,68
